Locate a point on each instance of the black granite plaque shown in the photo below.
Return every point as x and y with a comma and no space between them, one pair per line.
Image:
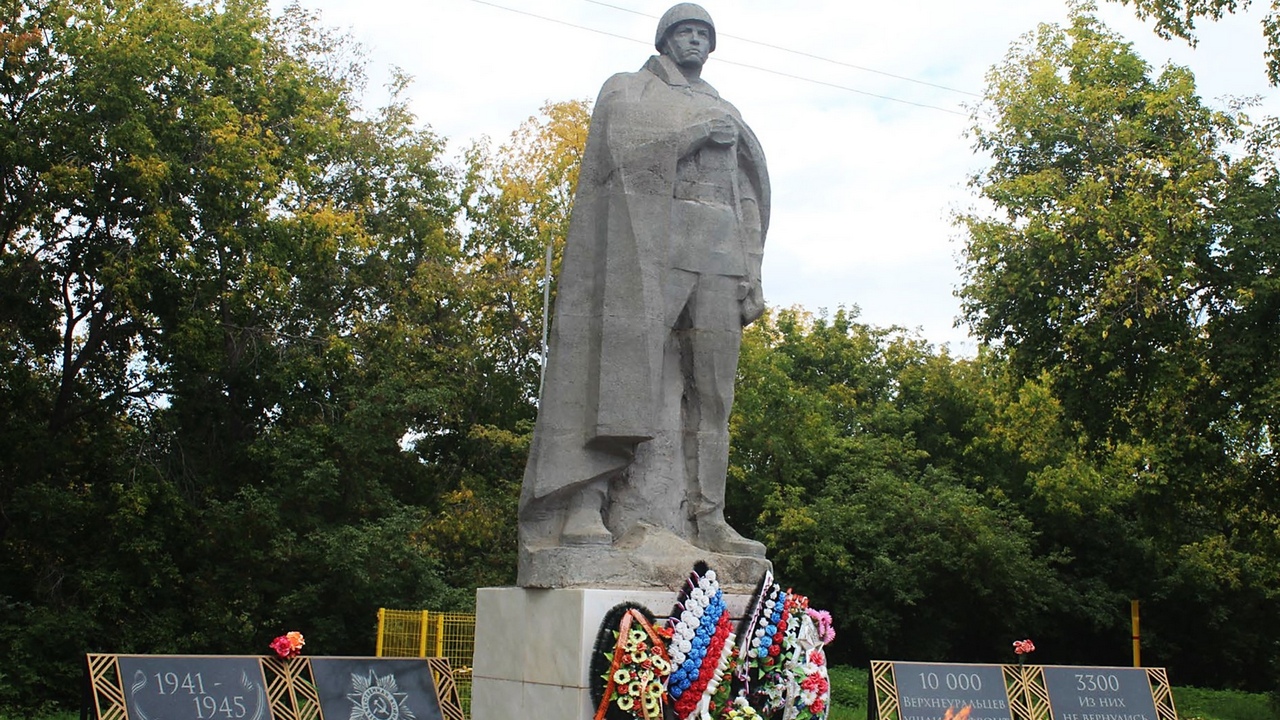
1099,693
928,691
193,687
369,688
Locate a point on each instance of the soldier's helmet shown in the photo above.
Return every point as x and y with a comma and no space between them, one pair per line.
682,13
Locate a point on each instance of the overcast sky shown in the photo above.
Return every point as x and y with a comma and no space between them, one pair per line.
866,167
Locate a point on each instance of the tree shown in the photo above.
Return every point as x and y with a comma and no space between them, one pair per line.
228,292
518,200
1123,257
1102,176
1177,18
850,459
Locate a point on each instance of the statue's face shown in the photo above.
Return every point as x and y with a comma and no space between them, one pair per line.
689,43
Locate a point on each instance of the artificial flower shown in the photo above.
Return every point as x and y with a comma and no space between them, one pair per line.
822,619
639,665
288,645
742,710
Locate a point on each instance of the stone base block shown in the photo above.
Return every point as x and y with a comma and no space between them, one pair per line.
533,648
647,557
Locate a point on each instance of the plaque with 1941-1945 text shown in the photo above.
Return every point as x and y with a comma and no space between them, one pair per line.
244,687
193,687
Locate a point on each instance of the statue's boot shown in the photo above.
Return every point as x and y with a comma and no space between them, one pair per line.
713,532
716,535
584,523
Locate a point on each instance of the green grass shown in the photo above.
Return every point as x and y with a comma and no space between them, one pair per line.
1221,704
848,693
57,715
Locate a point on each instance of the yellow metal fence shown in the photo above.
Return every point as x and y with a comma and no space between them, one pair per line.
425,633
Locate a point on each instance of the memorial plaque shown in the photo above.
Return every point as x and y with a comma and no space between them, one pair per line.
928,691
367,688
193,687
1099,693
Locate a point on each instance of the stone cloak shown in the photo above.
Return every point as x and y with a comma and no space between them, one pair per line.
603,380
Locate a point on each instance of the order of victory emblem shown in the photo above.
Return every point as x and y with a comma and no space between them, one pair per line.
378,698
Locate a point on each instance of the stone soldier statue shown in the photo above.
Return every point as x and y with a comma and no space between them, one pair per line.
661,271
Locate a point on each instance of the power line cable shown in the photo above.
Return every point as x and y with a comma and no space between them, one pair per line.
801,53
727,62
558,22
841,87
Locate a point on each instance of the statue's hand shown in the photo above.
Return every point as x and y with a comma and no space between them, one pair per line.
751,302
722,131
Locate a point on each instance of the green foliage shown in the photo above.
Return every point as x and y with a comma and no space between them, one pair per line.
865,497
1123,275
1102,176
229,293
519,199
516,203
258,378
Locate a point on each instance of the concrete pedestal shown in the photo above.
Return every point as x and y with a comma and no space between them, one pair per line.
533,648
